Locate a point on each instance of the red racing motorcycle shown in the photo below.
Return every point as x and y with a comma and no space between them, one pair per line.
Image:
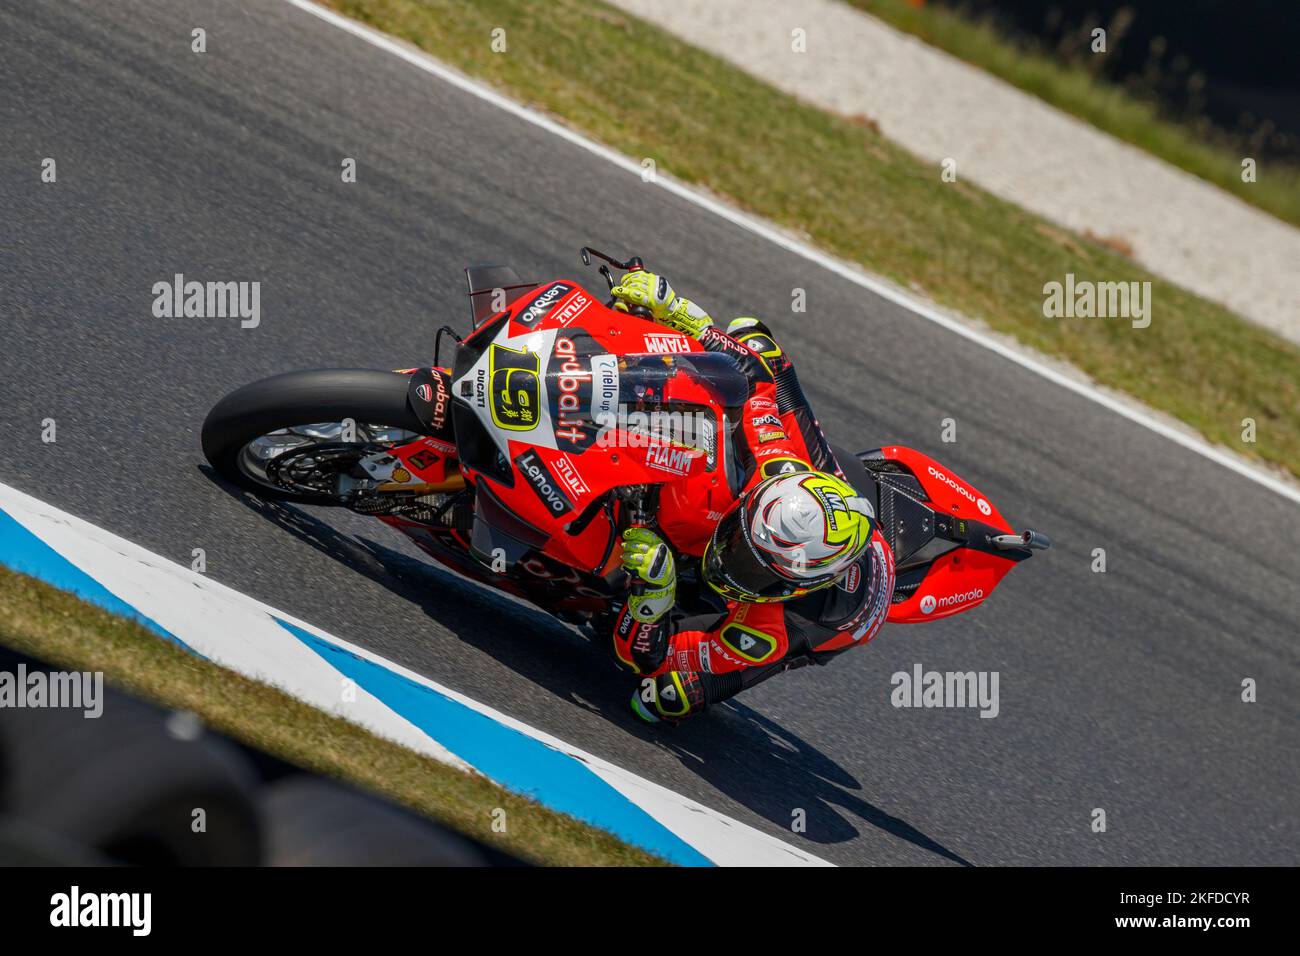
560,422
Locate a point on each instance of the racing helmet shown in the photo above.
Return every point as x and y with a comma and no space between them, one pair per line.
786,537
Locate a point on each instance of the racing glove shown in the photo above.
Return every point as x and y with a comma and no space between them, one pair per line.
647,557
756,336
650,291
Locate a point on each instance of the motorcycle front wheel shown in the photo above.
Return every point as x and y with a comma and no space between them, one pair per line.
301,436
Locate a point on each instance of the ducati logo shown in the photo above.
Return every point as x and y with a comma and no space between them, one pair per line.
852,579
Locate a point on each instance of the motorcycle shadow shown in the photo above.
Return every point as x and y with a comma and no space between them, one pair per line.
743,754
548,652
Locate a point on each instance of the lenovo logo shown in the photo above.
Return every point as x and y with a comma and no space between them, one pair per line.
547,489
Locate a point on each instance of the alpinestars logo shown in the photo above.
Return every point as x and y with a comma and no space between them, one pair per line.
532,467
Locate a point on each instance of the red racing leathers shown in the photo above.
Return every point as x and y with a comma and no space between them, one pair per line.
700,659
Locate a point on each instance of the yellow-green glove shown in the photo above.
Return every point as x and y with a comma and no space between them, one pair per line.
646,556
650,291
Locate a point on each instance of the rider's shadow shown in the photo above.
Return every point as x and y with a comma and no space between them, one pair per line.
755,761
784,779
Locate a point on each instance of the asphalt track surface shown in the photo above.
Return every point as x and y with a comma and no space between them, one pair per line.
1118,691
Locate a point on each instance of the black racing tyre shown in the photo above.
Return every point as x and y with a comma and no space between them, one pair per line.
295,399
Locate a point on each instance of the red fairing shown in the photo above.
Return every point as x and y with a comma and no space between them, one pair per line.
568,385
947,491
963,578
429,460
958,581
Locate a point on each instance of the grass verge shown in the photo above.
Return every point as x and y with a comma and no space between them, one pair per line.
60,629
1111,108
852,192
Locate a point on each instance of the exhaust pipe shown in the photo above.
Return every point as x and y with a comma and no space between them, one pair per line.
1032,540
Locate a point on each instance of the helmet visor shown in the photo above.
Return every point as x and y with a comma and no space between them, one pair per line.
734,569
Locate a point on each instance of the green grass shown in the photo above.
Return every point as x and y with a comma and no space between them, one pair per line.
1072,88
59,629
863,198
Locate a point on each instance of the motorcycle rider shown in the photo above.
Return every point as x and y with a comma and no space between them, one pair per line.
798,559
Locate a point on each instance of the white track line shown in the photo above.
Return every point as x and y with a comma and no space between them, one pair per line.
839,267
240,633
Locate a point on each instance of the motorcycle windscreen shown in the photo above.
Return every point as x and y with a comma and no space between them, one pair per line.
492,289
